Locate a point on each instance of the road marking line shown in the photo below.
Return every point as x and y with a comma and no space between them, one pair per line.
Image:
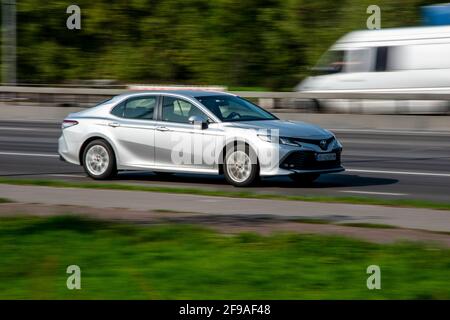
52,155
209,200
377,193
399,132
49,121
29,129
401,172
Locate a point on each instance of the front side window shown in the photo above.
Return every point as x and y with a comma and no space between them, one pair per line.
179,110
349,61
232,108
333,61
359,60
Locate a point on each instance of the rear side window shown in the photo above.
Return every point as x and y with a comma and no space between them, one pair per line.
136,108
118,110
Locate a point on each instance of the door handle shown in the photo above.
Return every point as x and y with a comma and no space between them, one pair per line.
162,129
114,124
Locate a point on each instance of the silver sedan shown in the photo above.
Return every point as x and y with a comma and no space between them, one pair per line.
195,132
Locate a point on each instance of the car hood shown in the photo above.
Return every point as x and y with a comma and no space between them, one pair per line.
287,128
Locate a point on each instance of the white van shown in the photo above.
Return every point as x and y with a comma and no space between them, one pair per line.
388,60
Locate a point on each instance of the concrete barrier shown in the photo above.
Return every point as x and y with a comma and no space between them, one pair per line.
373,122
362,102
331,121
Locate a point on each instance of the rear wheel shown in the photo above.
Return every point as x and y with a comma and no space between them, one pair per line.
305,179
99,160
239,169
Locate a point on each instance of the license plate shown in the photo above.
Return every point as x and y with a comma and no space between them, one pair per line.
326,156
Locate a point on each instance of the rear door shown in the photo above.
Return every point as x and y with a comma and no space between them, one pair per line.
133,129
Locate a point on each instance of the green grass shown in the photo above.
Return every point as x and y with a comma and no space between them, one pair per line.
3,200
124,261
232,194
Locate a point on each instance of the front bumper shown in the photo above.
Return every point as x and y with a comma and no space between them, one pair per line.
331,170
304,161
292,160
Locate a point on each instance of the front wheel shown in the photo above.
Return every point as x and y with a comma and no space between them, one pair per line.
239,169
99,161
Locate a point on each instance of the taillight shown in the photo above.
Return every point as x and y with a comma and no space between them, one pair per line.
68,123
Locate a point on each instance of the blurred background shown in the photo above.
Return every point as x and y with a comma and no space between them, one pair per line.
254,44
245,46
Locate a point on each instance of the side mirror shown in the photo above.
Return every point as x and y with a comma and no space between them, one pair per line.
199,121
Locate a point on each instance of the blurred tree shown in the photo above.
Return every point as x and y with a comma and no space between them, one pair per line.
251,43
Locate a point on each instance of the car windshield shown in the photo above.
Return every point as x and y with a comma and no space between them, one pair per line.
232,108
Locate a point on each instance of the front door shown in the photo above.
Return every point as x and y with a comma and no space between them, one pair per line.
180,145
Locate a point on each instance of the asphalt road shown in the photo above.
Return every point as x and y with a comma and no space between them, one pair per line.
388,164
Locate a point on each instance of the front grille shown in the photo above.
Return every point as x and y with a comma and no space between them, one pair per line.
306,160
316,142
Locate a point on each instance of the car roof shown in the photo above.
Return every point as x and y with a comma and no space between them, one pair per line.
185,93
396,34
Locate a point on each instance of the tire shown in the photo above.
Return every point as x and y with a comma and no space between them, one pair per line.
99,160
238,168
305,179
317,106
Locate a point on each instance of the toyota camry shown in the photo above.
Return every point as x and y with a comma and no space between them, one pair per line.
195,132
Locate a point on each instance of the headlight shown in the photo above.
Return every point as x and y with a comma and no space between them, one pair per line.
336,144
289,142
